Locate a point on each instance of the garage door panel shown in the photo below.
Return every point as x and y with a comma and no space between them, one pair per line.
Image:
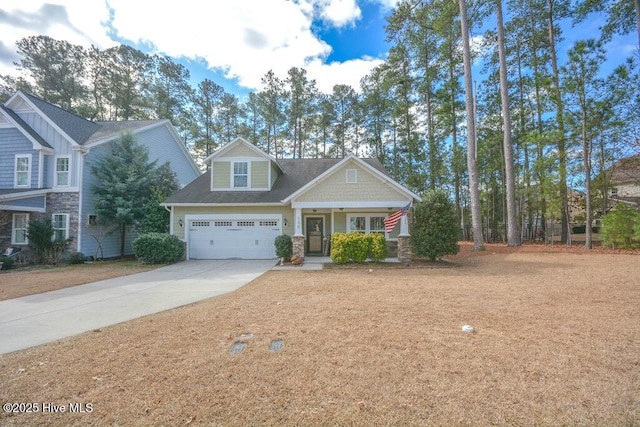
233,238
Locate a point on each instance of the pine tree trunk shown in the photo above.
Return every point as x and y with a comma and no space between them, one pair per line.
513,233
476,219
562,155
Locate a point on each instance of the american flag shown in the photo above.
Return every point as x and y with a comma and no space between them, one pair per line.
391,221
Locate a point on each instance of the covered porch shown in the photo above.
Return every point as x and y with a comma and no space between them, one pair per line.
313,227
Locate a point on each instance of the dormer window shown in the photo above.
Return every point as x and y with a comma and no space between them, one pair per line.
240,174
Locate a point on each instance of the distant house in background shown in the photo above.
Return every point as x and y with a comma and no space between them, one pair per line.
625,181
46,159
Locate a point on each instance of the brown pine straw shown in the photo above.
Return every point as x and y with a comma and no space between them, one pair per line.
557,342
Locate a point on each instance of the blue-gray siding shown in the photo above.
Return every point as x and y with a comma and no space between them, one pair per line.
162,147
13,142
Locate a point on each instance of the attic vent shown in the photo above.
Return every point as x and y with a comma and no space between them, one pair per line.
352,176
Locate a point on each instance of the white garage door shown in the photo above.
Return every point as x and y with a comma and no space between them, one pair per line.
239,236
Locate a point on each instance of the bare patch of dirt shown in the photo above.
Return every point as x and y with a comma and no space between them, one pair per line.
25,281
557,342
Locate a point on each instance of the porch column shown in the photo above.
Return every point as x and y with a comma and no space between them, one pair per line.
298,237
404,225
404,241
297,231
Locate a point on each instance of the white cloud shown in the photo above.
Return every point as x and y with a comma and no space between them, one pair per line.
347,73
77,21
244,39
339,13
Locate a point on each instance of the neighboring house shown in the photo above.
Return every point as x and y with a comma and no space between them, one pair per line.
625,181
46,159
247,198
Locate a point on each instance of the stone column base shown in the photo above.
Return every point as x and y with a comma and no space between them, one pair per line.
298,245
404,249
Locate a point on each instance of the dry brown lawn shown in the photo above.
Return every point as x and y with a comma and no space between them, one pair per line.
557,342
23,281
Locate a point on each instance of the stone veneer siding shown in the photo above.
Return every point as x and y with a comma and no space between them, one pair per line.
298,245
404,249
65,203
57,203
6,219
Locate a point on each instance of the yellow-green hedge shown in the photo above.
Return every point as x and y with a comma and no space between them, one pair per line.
357,247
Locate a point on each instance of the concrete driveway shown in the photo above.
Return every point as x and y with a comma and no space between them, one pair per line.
42,318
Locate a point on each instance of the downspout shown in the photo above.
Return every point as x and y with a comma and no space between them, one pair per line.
170,210
80,180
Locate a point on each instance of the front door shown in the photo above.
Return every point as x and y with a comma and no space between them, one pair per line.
315,227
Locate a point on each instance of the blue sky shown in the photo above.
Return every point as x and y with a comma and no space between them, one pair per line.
235,42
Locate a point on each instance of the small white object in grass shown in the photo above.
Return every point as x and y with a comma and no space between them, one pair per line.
468,329
371,270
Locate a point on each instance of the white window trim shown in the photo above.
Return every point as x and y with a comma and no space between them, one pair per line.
55,171
233,175
15,170
367,217
66,224
13,229
352,176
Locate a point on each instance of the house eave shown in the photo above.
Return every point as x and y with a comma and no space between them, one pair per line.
220,204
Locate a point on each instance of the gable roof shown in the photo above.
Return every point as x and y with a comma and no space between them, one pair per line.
75,127
296,174
239,141
78,130
626,170
378,172
25,128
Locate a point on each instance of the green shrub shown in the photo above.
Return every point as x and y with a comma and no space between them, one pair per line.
158,248
7,262
377,247
435,229
339,248
284,246
620,227
357,247
76,258
44,249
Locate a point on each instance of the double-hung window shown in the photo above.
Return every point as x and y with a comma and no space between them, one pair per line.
23,170
366,223
60,226
62,171
19,229
376,224
240,175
